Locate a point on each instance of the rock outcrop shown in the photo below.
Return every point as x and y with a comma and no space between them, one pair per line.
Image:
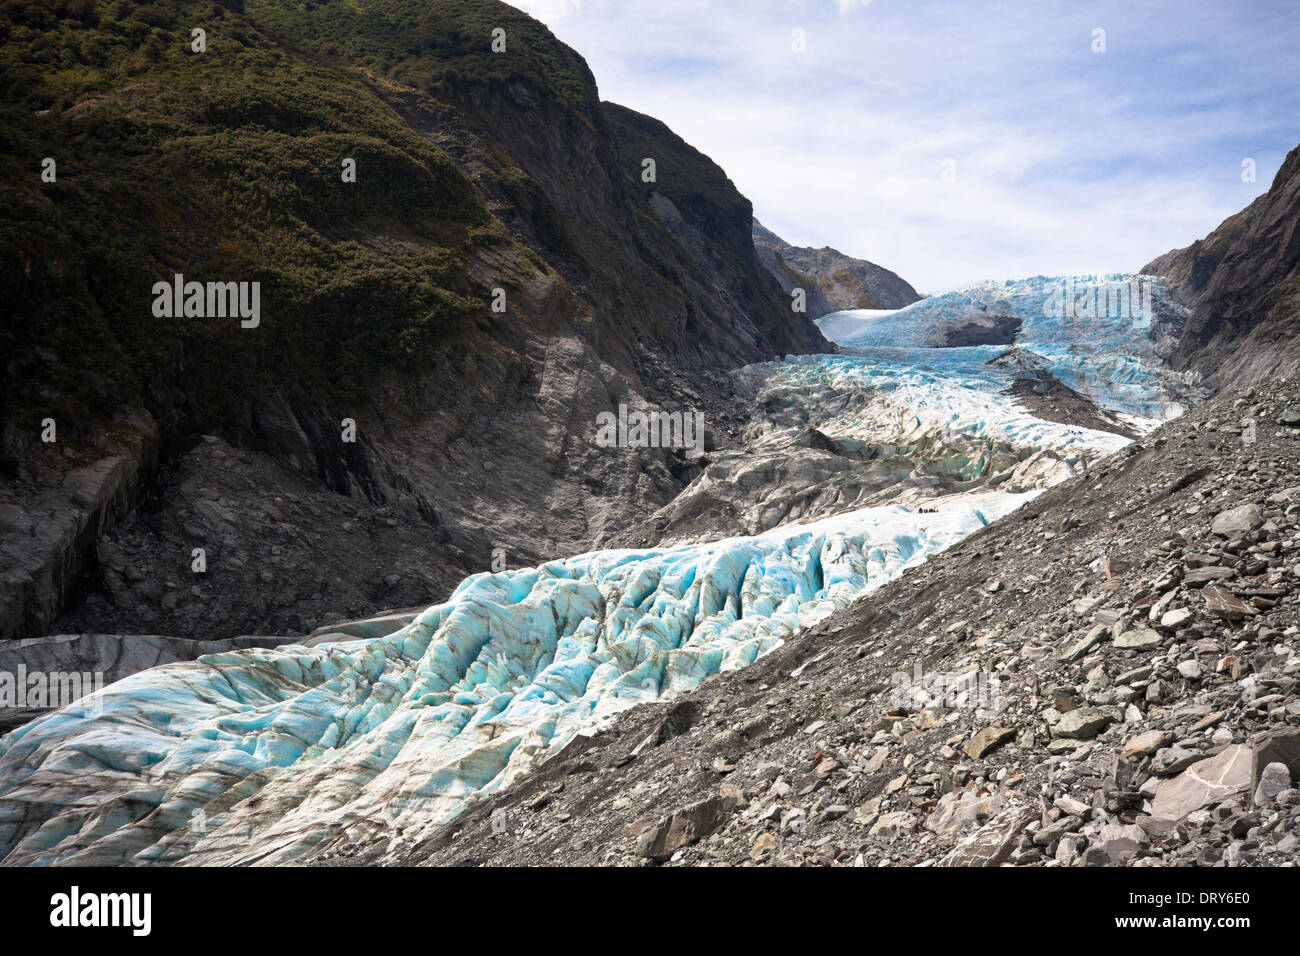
56,508
831,280
1242,282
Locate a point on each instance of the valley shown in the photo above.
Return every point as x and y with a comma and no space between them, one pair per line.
523,500
902,453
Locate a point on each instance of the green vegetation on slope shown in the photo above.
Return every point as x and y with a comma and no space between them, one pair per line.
433,45
225,166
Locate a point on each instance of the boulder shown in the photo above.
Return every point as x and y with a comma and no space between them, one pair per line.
1280,746
1204,784
1139,639
1273,779
993,843
691,823
889,825
1225,604
988,740
1084,644
1121,841
1147,742
1084,723
1238,520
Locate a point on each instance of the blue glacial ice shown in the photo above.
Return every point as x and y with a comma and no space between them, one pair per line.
1105,336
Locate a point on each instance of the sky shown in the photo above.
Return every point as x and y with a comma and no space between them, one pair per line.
965,140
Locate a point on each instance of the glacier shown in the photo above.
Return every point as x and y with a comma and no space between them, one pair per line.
1104,335
266,756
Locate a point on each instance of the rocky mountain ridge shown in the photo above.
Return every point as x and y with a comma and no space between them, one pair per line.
1242,282
831,280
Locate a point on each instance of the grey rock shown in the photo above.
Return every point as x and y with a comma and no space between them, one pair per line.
1238,520
1204,784
889,825
1139,639
1084,644
1278,746
687,825
994,842
1146,743
1225,604
1120,842
1274,778
1084,723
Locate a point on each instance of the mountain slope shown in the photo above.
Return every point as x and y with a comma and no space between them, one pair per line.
1242,282
476,171
696,202
833,281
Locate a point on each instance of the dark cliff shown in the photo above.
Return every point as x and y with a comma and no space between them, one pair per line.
1242,285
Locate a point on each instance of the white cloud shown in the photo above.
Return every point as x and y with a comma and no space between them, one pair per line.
1066,160
548,11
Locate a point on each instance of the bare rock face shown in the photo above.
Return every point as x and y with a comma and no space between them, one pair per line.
832,280
52,514
790,279
1243,284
